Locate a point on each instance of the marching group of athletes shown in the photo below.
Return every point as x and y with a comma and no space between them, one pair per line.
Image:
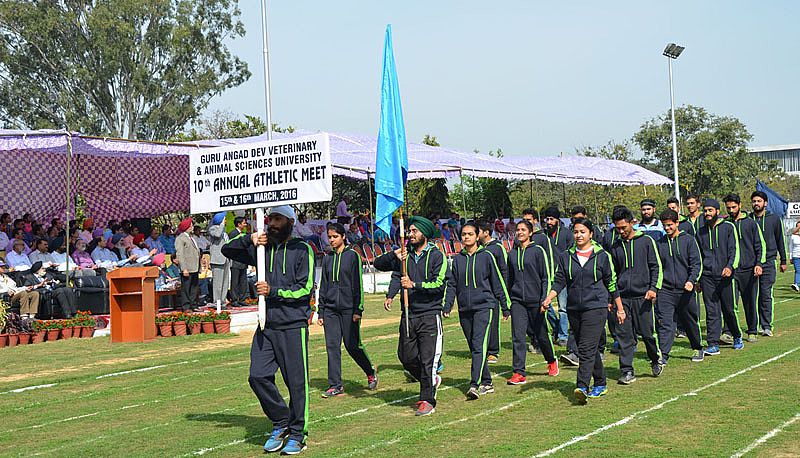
640,278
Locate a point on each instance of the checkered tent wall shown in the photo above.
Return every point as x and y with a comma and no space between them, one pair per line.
34,181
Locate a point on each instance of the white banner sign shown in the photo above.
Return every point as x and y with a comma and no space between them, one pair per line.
794,210
265,174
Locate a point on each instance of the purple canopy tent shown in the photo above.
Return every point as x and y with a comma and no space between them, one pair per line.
129,179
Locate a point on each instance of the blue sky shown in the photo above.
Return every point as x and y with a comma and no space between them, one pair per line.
530,77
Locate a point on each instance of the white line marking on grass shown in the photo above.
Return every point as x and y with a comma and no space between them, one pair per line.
144,369
761,440
640,413
480,414
28,388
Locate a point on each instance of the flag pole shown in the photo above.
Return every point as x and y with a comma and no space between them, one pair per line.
261,254
405,269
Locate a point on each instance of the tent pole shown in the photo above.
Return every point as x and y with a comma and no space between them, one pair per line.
69,163
596,208
530,202
474,216
463,193
372,229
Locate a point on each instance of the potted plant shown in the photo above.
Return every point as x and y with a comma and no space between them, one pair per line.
207,322
3,319
164,324
39,331
25,331
193,323
222,322
53,330
66,329
179,323
86,323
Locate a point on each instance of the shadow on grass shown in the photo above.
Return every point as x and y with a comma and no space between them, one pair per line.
564,387
257,429
463,354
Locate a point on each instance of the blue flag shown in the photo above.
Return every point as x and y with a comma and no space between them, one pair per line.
776,204
391,161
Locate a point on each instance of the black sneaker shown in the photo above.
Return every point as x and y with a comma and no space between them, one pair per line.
657,369
627,378
473,393
333,392
570,358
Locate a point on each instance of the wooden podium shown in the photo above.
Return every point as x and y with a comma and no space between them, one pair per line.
132,296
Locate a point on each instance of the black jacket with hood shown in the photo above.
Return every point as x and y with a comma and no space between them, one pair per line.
476,282
752,246
772,228
681,261
590,286
429,274
529,275
637,265
719,247
341,288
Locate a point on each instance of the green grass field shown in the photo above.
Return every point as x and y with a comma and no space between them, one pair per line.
189,396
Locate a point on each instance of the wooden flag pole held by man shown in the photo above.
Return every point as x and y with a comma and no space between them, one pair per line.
405,269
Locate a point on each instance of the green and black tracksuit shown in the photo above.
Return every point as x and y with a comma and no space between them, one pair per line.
529,282
478,285
561,239
283,343
589,286
719,246
496,248
341,295
696,223
420,348
752,253
772,228
685,225
638,270
682,263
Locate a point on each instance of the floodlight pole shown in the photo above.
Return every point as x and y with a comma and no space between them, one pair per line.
674,136
261,257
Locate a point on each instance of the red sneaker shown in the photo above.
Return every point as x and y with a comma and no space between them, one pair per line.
425,408
517,379
552,369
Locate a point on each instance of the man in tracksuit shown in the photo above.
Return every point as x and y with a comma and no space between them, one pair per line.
420,346
694,214
752,256
684,225
639,277
476,281
677,299
720,250
772,228
562,239
283,342
541,238
496,248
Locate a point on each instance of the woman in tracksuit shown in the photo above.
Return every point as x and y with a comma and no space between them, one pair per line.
586,271
476,281
341,306
529,280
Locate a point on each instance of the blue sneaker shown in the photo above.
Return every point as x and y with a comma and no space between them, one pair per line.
598,391
581,394
738,344
712,350
276,440
440,367
293,447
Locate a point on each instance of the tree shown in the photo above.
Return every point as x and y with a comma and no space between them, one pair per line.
611,150
484,197
429,196
123,68
224,124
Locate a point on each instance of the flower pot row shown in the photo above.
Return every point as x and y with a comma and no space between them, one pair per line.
181,323
46,335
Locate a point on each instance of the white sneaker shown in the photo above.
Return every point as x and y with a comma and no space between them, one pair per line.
796,288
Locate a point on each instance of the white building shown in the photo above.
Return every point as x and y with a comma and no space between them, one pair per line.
787,156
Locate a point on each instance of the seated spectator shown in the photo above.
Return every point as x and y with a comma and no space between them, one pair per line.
81,257
202,242
115,245
41,253
354,234
304,230
27,299
5,223
395,231
127,240
499,229
86,233
446,234
511,229
104,257
3,240
139,249
170,276
17,234
438,229
17,258
44,283
380,236
167,239
153,242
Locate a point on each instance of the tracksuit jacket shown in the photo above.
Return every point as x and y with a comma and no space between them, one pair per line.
610,238
588,286
483,284
429,274
637,265
562,238
772,229
684,225
341,288
752,246
529,275
290,274
496,248
541,238
719,247
681,261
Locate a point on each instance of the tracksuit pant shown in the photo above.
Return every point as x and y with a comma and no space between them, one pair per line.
287,350
641,322
719,296
240,289
525,317
588,325
765,300
494,332
339,326
476,325
190,285
677,306
747,286
220,281
420,352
